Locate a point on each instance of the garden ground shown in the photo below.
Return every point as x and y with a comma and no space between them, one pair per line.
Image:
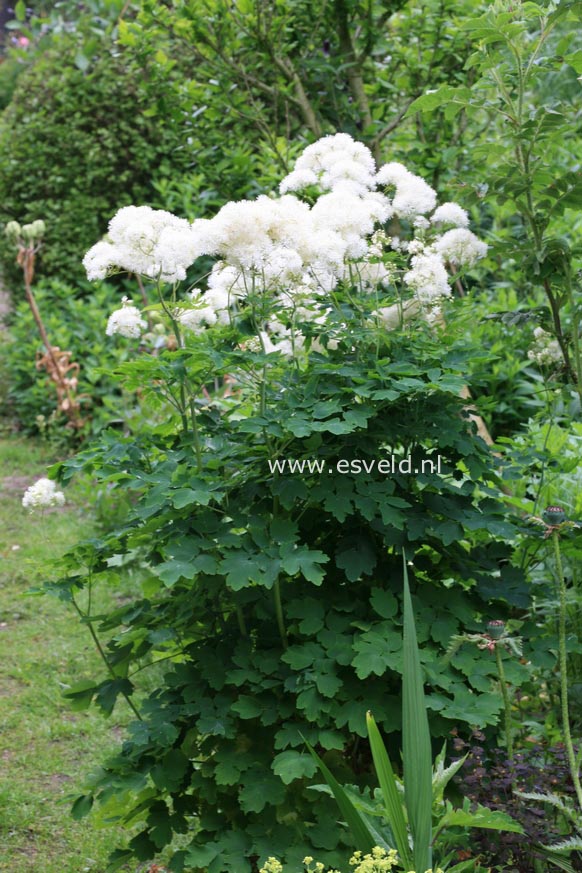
46,749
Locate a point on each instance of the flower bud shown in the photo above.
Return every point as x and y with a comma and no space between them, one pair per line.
39,228
27,232
496,629
34,230
554,515
12,231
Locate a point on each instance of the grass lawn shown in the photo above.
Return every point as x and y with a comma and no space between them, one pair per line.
46,749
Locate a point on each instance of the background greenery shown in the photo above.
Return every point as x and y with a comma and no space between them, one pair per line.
187,104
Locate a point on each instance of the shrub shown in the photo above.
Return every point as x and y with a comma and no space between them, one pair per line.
74,146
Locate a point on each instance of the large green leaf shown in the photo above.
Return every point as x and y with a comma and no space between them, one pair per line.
416,748
481,817
392,798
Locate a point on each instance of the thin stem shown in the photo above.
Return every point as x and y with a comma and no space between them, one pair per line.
178,336
242,625
563,662
87,620
28,270
506,701
279,614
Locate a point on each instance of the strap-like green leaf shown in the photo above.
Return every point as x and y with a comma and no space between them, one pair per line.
416,748
392,798
358,827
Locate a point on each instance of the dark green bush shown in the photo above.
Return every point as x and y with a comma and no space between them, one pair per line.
75,145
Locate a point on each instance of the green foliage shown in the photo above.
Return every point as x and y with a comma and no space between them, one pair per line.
524,63
213,544
75,323
422,799
76,144
282,72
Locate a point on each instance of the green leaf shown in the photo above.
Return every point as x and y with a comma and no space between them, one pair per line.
188,496
20,10
392,798
416,748
292,765
169,772
481,817
357,560
81,694
383,602
442,96
304,561
82,806
118,859
171,571
247,707
575,61
109,691
259,788
357,825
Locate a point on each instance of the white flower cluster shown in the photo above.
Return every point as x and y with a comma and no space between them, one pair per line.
545,350
412,197
42,495
126,321
332,163
288,254
147,241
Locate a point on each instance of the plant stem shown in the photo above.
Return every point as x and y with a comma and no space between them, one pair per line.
574,771
506,701
279,613
242,626
72,410
178,336
87,619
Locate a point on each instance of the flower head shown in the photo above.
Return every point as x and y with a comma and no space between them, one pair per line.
460,247
42,495
450,213
126,321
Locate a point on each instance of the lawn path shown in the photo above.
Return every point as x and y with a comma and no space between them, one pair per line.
45,749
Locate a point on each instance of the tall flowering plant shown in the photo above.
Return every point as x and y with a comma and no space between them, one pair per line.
270,604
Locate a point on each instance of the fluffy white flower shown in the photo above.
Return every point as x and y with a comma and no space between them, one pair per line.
427,277
226,282
331,162
287,344
413,195
545,349
421,223
151,242
434,316
460,247
392,174
415,247
297,181
450,213
126,321
100,259
42,494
